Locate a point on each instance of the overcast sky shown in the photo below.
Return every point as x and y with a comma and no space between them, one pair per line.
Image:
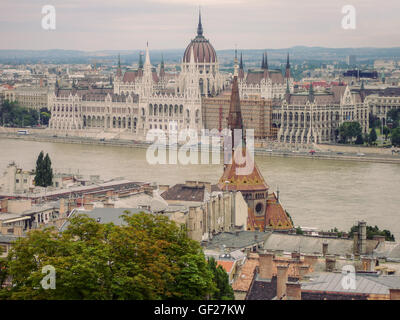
169,24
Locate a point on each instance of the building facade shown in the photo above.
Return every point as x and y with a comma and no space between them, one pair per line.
143,99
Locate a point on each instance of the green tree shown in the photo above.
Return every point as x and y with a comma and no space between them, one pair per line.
39,172
395,137
393,117
349,130
48,171
359,139
147,257
386,132
44,172
372,136
371,231
221,279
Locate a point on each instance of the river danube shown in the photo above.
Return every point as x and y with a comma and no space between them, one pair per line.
317,193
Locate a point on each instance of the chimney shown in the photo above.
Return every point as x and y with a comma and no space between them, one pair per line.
282,277
303,270
394,294
368,264
330,264
293,291
324,249
310,259
266,264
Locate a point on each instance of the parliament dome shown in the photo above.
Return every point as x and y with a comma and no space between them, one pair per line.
203,51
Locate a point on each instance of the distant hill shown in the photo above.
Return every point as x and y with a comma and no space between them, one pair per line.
298,54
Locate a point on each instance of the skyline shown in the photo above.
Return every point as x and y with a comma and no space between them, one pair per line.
172,24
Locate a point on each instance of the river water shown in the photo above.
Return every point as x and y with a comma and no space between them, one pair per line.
316,193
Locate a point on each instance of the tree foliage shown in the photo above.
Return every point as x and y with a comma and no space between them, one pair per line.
393,117
395,137
148,257
372,137
44,172
221,278
13,115
371,231
349,130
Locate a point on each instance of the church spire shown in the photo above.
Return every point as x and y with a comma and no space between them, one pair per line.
140,61
241,62
147,59
119,72
266,60
287,74
162,68
262,63
200,26
235,120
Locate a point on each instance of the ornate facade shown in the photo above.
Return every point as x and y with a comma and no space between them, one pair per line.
314,117
265,211
142,99
265,82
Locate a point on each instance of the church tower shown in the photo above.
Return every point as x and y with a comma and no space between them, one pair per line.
264,208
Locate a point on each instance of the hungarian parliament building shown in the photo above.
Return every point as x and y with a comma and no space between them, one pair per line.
197,98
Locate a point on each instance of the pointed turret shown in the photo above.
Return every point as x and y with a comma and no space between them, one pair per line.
362,91
262,63
235,65
119,72
287,93
147,59
287,74
162,69
265,59
241,69
235,120
199,26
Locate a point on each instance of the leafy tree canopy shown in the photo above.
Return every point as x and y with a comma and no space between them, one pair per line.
149,257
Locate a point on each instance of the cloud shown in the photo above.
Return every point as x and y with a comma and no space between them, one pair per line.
127,24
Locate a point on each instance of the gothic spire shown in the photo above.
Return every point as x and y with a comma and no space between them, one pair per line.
147,59
287,73
140,61
235,120
262,63
162,69
119,72
241,61
266,61
199,27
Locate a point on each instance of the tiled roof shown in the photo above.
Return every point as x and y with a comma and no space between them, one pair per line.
227,265
255,76
276,216
253,181
245,277
183,192
365,284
